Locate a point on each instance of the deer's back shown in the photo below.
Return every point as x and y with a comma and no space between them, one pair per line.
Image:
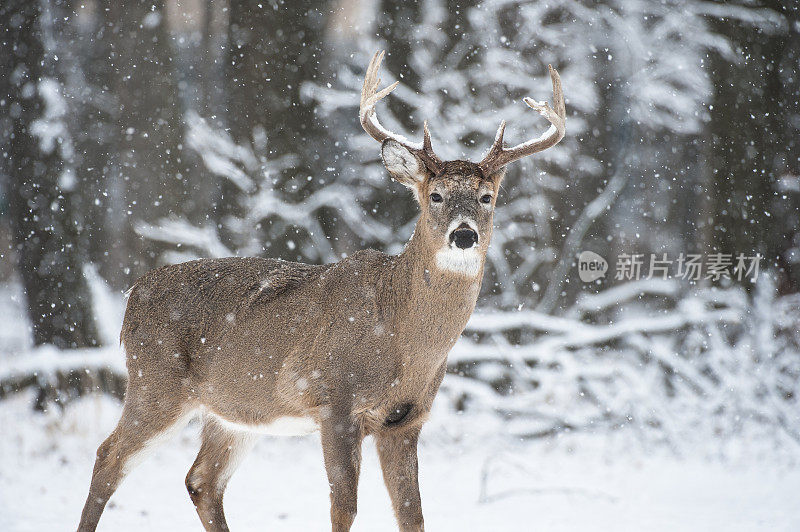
181,306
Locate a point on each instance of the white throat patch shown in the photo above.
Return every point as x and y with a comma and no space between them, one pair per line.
464,261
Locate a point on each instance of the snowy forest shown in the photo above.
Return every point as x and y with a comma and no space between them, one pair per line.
142,133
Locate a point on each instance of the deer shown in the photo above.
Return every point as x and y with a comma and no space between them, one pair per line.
349,349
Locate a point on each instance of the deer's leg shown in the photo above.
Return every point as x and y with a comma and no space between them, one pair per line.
143,425
397,450
341,446
220,454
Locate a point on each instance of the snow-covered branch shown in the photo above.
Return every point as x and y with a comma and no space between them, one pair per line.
701,367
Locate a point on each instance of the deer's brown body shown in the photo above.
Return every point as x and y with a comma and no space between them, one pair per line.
351,349
251,340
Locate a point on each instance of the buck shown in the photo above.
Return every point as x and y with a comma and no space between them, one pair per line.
355,348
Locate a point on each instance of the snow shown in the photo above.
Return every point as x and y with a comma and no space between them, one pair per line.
467,483
13,337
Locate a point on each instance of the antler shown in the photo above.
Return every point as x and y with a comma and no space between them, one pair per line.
497,157
369,121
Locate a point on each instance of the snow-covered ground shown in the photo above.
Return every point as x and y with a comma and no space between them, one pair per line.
468,483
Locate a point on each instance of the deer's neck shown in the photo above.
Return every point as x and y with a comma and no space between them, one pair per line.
434,294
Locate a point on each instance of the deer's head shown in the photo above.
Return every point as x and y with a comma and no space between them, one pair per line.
456,198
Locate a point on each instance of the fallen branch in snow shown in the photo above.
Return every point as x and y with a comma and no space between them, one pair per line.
47,360
486,498
495,462
61,375
564,333
624,293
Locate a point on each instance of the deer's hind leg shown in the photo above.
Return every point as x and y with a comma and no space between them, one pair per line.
221,452
145,423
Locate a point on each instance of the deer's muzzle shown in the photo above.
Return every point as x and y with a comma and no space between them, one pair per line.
464,237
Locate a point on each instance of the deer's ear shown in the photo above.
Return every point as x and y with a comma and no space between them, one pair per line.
403,165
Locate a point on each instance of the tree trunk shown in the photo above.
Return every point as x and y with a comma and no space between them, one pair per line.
152,178
755,145
43,186
88,39
273,48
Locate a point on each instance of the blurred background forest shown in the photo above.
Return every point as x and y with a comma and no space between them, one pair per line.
138,133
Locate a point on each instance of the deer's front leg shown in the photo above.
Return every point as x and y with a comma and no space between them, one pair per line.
341,445
397,450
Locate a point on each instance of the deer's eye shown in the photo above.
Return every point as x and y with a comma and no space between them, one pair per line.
486,198
436,197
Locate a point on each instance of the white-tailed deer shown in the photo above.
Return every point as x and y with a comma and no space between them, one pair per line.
350,349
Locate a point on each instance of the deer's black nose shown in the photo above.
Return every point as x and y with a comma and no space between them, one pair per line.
464,237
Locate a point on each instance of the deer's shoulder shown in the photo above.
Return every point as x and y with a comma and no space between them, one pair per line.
360,267
369,258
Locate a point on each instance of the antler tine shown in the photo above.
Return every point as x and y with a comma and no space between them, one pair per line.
497,145
369,121
427,148
370,96
498,156
426,137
